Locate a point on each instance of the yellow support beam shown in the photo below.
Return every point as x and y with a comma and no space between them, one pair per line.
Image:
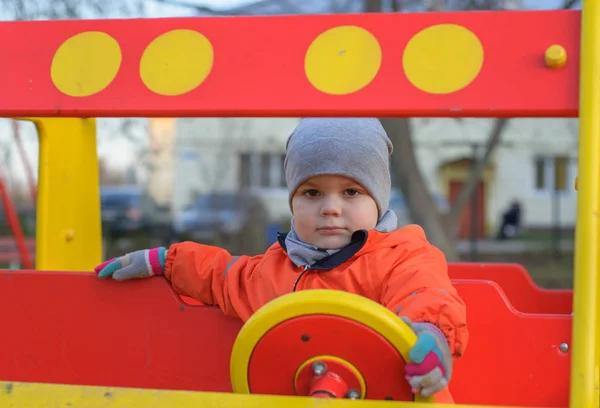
69,231
33,395
585,357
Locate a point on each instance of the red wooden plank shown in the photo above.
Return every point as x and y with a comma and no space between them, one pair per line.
258,68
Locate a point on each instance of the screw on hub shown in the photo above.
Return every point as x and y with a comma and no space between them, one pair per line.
319,368
353,394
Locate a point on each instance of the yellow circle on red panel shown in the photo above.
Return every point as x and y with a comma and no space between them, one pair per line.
176,62
443,58
342,60
85,63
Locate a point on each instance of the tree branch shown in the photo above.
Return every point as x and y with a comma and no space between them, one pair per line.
244,10
422,207
372,6
198,8
568,4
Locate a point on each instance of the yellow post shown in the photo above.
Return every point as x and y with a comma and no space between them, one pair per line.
584,363
69,235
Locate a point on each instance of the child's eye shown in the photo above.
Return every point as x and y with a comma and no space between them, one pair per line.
311,193
352,192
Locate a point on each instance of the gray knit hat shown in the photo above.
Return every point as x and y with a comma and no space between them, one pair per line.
357,148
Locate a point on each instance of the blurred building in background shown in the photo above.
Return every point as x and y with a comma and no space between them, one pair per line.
535,164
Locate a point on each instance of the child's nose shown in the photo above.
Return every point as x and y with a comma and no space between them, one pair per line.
331,206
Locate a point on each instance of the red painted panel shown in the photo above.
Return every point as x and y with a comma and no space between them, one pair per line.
73,328
518,286
259,68
513,358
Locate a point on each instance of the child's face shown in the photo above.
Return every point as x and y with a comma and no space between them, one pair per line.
328,209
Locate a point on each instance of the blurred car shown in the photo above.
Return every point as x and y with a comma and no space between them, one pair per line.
121,210
229,212
210,213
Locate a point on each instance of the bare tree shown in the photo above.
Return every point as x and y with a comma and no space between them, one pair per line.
441,228
70,9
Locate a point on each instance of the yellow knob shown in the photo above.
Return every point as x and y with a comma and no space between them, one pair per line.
556,56
69,235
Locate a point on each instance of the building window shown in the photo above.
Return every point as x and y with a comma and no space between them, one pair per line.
244,176
265,170
554,173
561,170
261,170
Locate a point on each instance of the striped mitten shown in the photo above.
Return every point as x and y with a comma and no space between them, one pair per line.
430,368
139,264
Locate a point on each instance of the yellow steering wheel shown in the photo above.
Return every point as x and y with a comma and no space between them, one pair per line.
324,343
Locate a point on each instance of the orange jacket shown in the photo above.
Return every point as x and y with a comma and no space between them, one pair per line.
400,270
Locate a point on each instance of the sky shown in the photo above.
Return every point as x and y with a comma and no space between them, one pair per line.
120,152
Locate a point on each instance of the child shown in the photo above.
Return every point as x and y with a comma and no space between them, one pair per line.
343,236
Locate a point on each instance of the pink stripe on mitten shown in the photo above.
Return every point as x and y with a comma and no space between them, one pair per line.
430,362
154,262
98,268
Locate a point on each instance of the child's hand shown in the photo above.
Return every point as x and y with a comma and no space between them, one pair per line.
431,366
139,264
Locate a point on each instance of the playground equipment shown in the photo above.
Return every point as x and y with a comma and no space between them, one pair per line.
73,340
517,285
